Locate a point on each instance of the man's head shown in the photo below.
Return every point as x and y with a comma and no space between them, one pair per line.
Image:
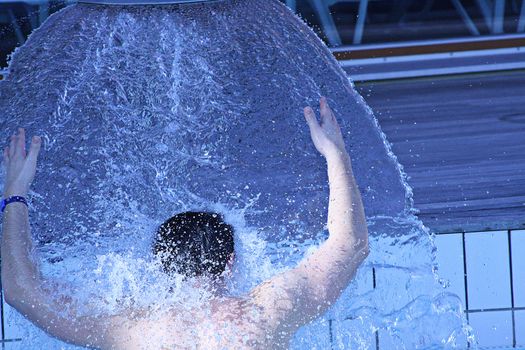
194,244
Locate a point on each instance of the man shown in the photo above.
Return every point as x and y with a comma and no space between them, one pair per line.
266,318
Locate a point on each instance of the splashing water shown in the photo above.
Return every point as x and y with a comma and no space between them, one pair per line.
148,111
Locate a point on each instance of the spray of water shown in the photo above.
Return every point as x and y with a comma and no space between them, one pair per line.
149,111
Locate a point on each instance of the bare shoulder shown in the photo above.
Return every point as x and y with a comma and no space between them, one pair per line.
276,301
274,294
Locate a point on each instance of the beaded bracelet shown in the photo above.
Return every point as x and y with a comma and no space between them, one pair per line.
13,199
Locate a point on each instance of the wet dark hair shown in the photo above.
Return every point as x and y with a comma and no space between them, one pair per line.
194,244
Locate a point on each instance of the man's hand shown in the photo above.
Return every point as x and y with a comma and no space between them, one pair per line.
326,135
20,168
297,296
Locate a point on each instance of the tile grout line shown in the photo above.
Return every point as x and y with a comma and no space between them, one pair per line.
331,334
465,271
474,311
374,284
465,279
509,238
477,231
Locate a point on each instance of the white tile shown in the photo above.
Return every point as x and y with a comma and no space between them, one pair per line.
488,270
361,285
519,319
13,345
389,281
364,281
518,266
352,334
450,263
388,341
315,336
416,337
492,328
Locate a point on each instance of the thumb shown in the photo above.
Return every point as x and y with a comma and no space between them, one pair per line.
34,149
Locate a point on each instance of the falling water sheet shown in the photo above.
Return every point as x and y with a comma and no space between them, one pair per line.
147,111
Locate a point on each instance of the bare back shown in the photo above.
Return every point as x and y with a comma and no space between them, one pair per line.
228,323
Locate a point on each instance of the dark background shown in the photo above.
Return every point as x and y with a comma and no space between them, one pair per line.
387,20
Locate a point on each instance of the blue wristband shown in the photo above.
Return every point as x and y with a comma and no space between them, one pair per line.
12,199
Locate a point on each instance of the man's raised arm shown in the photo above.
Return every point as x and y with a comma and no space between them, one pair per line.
305,292
23,286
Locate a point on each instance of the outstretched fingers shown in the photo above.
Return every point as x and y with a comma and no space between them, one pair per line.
34,149
12,146
326,111
17,147
21,143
